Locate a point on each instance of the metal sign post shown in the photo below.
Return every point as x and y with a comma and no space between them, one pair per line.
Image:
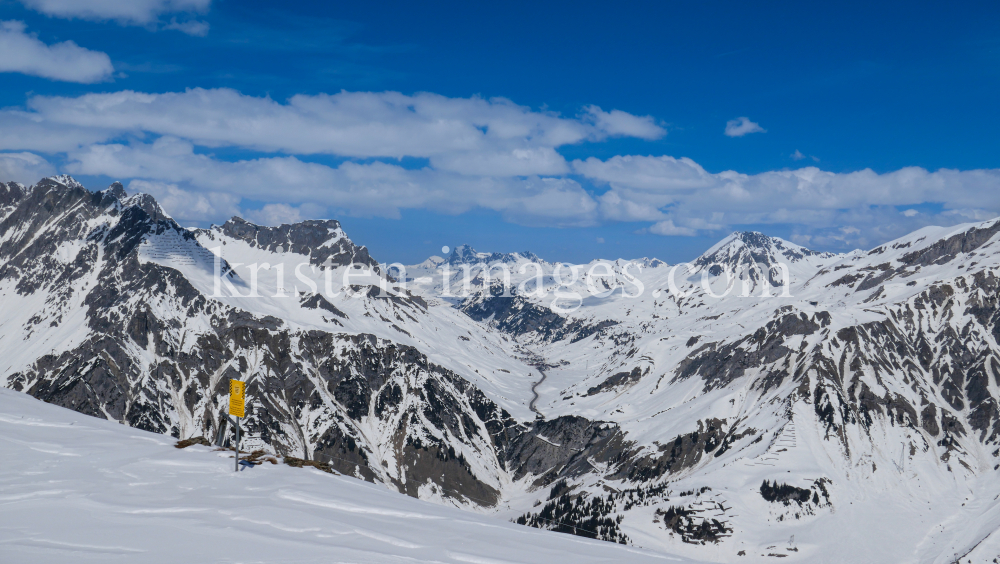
237,400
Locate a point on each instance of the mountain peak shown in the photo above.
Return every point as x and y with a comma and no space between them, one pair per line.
748,249
323,240
61,183
755,239
11,192
116,189
465,254
63,179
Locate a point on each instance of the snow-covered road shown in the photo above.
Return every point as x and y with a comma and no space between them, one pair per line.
78,489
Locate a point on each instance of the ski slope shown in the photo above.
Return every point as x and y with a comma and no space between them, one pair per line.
79,489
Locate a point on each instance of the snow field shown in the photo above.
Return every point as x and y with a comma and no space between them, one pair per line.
80,489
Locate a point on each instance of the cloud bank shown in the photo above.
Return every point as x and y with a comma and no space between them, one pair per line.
24,53
683,197
380,153
493,137
126,12
25,168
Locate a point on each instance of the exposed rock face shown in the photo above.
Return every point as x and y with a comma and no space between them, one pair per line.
521,317
323,241
618,380
11,192
719,365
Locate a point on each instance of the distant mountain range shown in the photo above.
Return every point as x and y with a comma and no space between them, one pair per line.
763,401
464,254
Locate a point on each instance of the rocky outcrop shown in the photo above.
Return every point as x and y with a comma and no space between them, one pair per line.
323,241
519,316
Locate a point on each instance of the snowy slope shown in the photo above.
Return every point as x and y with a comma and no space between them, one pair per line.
80,489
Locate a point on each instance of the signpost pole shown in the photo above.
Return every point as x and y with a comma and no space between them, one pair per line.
237,401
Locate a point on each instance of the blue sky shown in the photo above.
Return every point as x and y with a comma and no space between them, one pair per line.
575,130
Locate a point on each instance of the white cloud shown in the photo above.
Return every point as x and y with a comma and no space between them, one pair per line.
798,156
125,12
197,28
910,213
677,195
641,186
517,162
680,191
26,168
22,131
279,214
646,173
466,135
625,205
67,61
478,153
619,123
189,206
373,189
667,227
761,195
556,202
741,126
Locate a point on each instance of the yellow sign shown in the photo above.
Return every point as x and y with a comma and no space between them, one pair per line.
237,397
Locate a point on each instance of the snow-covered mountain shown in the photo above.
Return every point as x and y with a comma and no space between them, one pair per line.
762,401
464,254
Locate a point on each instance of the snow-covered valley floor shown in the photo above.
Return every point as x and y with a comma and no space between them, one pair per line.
78,489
